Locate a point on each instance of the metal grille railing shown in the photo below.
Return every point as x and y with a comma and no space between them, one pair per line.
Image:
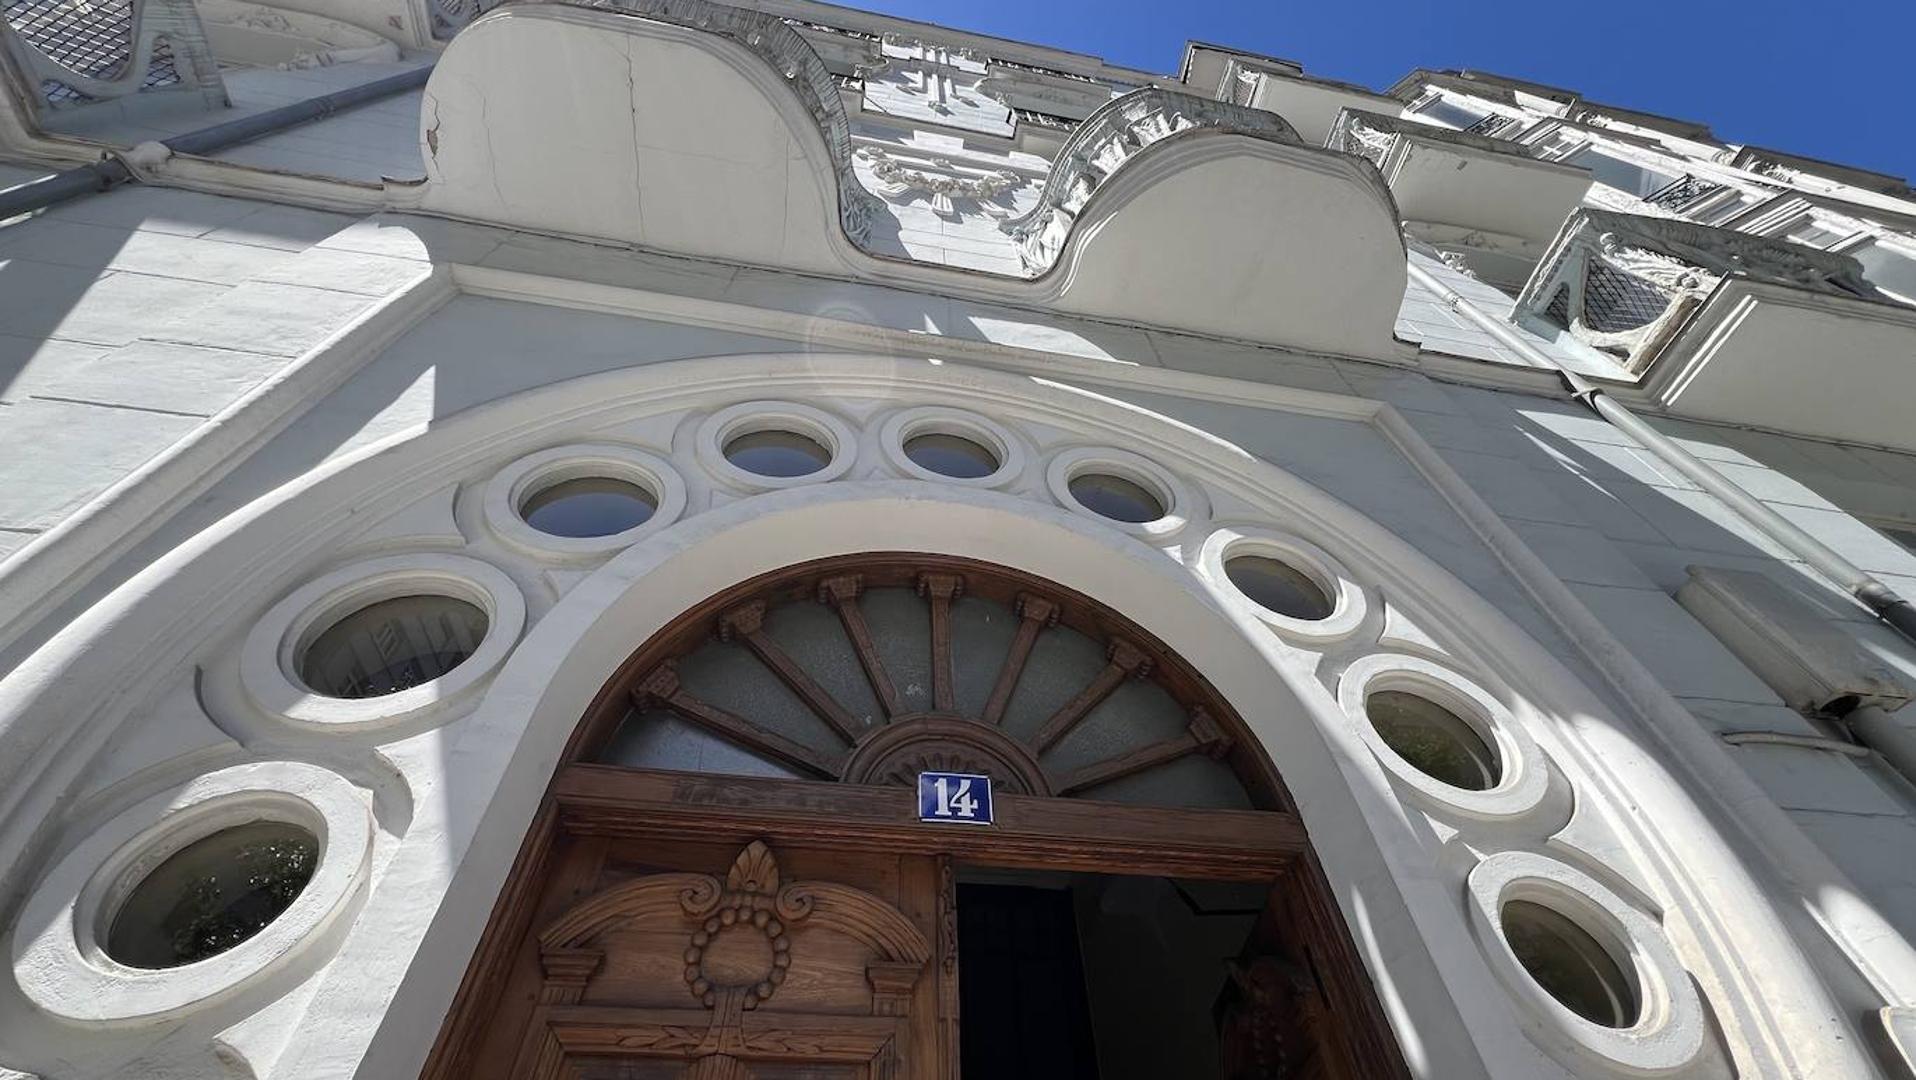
1683,192
90,39
1614,301
1491,126
160,71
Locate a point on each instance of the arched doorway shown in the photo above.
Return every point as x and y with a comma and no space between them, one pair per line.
729,877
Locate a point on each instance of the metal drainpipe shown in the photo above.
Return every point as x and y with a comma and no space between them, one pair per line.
1873,594
1872,727
112,172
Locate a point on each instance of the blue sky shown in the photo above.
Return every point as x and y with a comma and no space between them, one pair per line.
1834,79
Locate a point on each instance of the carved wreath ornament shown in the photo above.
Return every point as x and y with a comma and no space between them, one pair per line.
751,902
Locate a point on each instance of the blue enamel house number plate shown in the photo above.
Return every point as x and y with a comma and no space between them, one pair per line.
954,798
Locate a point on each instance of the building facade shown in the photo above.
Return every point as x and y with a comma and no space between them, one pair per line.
647,538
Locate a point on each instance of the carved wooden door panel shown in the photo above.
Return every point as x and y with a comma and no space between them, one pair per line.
790,965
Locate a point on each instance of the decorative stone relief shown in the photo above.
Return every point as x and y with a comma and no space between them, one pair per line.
1115,133
947,183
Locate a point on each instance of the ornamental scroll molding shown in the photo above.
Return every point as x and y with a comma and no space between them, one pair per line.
752,900
1623,283
1372,136
1115,134
943,186
788,53
746,922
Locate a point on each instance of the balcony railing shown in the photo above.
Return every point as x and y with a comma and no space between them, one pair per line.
1117,132
1683,193
1623,282
80,51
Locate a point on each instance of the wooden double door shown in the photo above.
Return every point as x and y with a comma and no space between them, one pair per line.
667,921
678,927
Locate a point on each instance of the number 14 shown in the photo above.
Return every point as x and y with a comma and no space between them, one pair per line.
957,803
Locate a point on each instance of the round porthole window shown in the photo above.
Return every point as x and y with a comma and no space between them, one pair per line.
392,645
588,506
1116,497
1438,742
951,455
1279,587
777,453
212,894
1570,964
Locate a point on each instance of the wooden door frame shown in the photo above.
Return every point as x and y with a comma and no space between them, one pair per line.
618,803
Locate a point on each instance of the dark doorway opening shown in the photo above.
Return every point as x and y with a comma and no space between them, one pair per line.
1096,976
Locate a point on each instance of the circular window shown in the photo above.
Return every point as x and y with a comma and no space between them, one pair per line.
583,499
1278,586
951,455
588,506
1441,744
1116,498
213,894
392,645
1570,964
777,453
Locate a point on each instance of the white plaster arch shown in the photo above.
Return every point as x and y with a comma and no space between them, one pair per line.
1407,921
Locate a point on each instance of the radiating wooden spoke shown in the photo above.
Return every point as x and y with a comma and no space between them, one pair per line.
1034,614
746,623
841,593
1125,660
662,687
1201,736
940,590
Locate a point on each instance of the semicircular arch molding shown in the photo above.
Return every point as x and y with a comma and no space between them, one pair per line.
504,748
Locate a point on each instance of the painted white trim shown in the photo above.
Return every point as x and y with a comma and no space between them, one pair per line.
62,967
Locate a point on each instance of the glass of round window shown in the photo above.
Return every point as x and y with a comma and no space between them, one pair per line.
212,894
392,645
1277,586
588,506
1438,742
777,453
950,455
1570,964
1116,498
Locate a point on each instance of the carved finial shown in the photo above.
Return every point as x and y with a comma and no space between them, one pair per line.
754,871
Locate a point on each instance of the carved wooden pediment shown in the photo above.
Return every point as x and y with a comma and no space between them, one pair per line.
735,942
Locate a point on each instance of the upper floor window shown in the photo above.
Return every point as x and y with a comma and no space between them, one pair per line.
1815,232
1623,174
1888,266
1449,111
